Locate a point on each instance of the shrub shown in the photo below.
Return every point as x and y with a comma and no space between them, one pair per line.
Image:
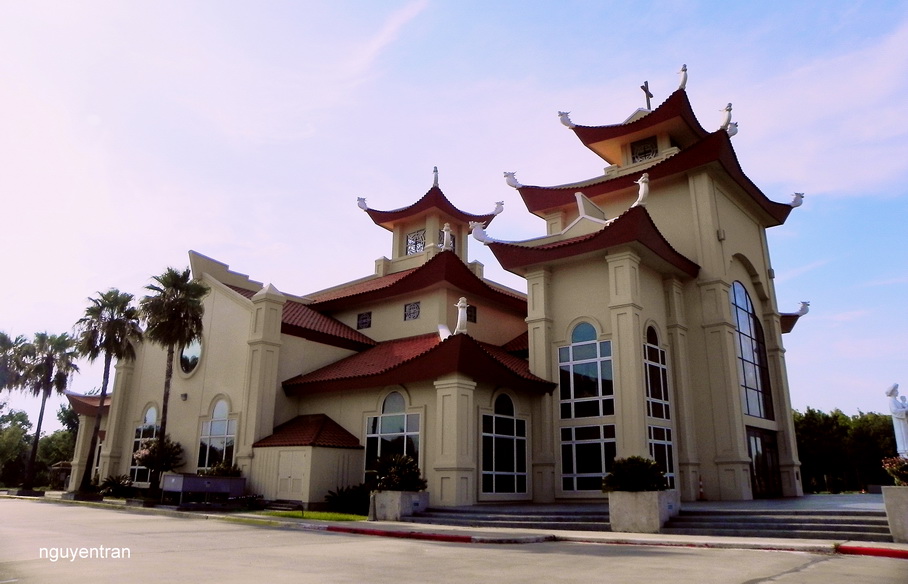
634,473
897,467
116,486
153,455
398,472
353,500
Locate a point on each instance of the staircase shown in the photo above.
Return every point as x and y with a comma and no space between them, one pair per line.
802,524
581,519
832,524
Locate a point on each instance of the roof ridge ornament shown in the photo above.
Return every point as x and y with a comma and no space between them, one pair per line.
511,179
796,200
642,191
727,120
435,176
804,309
361,203
683,74
732,129
477,230
499,207
565,118
461,328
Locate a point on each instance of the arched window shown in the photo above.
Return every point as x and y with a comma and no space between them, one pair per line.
504,449
751,349
586,392
145,432
218,438
392,432
659,437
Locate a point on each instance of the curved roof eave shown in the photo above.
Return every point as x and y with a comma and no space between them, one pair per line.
715,147
434,198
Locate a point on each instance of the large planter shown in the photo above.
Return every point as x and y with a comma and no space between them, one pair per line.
392,505
896,501
643,511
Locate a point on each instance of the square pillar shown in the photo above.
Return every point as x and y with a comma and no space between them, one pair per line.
453,481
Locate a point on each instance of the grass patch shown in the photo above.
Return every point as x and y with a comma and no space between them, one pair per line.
314,515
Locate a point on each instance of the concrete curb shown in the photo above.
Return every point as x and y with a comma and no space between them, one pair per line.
508,536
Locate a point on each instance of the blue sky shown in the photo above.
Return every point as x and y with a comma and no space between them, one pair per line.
133,132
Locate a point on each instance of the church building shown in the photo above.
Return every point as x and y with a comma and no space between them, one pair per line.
649,327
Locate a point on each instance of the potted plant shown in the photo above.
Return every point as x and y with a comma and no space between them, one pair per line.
639,499
399,489
896,498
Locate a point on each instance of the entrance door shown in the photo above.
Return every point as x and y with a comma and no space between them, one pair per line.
290,474
765,479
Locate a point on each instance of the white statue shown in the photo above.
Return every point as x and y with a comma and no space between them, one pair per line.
732,129
461,327
899,411
512,180
447,244
727,120
683,73
643,191
565,118
796,199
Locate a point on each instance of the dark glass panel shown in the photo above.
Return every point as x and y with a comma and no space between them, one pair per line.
589,458
504,454
583,332
504,406
586,409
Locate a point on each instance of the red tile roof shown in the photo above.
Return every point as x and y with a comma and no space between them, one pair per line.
444,267
301,321
420,358
519,344
634,226
714,148
433,199
87,405
310,430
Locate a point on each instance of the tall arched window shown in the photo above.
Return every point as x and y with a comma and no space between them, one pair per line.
504,449
146,431
392,432
659,435
218,438
587,392
751,348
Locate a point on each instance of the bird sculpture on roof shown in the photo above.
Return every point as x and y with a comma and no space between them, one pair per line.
804,309
499,207
642,191
565,118
361,203
512,180
477,230
683,74
727,119
732,129
796,199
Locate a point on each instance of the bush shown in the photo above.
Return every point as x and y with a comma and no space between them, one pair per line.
398,472
117,486
222,469
353,500
897,467
153,455
635,474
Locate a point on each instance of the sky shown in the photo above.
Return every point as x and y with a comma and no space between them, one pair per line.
133,132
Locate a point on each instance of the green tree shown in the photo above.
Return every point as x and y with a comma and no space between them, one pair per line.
68,417
10,355
173,318
48,363
110,327
14,427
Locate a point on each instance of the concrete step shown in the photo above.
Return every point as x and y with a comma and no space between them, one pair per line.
805,524
511,523
743,531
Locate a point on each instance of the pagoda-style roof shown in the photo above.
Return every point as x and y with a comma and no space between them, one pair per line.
674,116
715,149
444,267
301,321
634,227
420,358
433,199
87,405
310,430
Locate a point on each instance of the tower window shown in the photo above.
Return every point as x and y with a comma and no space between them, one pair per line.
644,149
364,320
411,311
416,242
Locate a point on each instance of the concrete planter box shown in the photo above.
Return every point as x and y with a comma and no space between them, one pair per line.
642,512
896,501
392,505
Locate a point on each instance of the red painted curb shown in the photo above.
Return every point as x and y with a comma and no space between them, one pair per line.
855,550
403,534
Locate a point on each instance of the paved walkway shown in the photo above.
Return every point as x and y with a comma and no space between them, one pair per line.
515,536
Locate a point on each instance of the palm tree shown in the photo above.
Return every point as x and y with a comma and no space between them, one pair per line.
173,317
10,360
47,364
110,326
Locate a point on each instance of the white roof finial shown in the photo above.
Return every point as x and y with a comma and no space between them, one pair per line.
499,207
361,203
565,118
797,199
461,327
477,230
727,119
435,176
643,191
804,309
683,73
511,179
